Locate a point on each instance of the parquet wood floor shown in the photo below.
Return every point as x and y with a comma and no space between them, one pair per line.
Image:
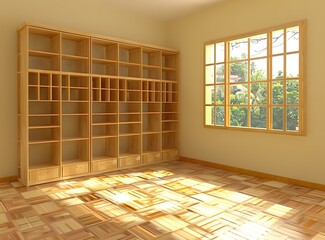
174,200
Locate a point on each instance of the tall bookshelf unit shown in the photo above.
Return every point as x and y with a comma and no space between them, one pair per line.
90,104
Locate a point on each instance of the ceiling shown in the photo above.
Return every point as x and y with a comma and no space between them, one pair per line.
164,10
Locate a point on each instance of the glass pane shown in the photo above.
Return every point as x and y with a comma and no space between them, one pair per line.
220,52
238,94
259,69
277,115
238,116
258,93
209,74
277,92
293,39
209,54
293,118
220,116
209,115
238,71
239,49
277,41
209,95
258,46
293,92
258,117
277,67
220,72
292,65
220,94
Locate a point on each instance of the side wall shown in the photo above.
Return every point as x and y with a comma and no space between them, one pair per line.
290,156
93,16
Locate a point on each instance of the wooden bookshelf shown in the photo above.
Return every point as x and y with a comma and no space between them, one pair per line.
90,104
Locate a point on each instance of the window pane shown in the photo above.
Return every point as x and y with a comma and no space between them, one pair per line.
258,117
239,49
277,42
258,93
277,92
277,115
277,67
259,69
293,92
209,54
292,65
238,116
238,94
220,94
258,46
293,118
220,73
238,71
220,116
293,39
220,52
209,115
209,74
209,95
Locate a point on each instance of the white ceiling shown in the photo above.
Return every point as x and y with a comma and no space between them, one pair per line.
164,10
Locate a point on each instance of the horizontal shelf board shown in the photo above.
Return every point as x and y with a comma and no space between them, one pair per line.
169,131
104,101
127,113
169,121
35,71
75,74
43,141
73,161
104,114
127,64
104,136
129,101
76,88
151,133
35,53
73,57
101,158
129,134
44,126
130,122
43,86
151,66
44,115
104,124
150,112
123,155
75,101
50,101
150,152
70,139
42,166
103,88
168,112
102,60
169,149
168,69
75,114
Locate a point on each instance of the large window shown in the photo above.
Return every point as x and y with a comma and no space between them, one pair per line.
256,81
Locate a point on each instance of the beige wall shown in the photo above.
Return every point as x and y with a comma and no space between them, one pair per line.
93,16
290,156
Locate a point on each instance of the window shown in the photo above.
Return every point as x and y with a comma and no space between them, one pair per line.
256,81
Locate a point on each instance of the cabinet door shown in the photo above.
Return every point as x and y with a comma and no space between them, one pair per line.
129,161
43,174
151,158
75,169
170,155
105,165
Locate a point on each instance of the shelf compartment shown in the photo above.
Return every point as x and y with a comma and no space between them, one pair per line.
77,65
170,155
43,61
102,119
105,50
104,107
151,72
104,68
152,157
169,60
151,57
48,121
45,108
129,54
151,107
130,108
151,122
129,145
169,107
75,45
75,108
44,40
104,148
74,152
75,94
104,130
169,74
128,118
169,140
129,128
74,127
169,126
151,143
168,117
104,165
44,154
129,70
44,134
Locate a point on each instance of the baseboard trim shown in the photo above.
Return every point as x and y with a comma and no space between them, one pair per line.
301,183
8,179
